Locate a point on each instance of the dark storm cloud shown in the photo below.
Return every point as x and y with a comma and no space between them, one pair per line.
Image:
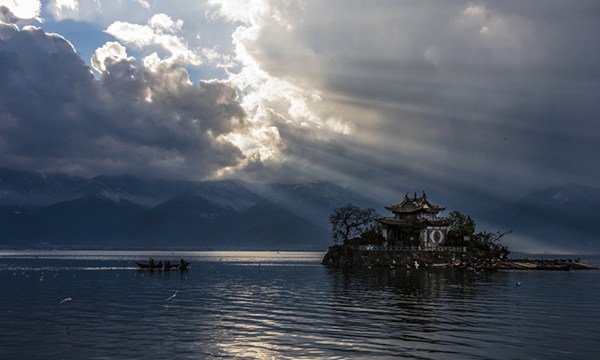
496,97
457,96
54,115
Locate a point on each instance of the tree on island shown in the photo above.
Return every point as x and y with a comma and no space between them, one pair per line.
461,227
461,232
349,222
411,230
489,242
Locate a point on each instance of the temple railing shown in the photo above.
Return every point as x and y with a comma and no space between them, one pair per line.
412,248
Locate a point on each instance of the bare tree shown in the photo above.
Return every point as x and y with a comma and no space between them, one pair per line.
349,221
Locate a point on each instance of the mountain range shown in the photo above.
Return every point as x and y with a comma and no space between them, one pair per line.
560,219
58,210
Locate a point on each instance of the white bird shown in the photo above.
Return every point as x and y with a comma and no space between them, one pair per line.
172,296
416,264
65,300
518,283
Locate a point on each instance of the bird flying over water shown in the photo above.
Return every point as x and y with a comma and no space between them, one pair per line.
65,300
172,296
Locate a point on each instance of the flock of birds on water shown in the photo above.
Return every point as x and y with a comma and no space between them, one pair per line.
69,299
416,266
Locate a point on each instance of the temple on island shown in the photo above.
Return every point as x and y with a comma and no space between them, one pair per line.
415,223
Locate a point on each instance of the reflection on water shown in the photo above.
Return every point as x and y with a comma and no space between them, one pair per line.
406,309
286,305
451,314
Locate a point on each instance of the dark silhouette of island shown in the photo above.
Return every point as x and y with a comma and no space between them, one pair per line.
416,236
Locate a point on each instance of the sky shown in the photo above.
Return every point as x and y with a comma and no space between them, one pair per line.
471,100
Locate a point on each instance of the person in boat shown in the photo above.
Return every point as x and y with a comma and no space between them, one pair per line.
151,262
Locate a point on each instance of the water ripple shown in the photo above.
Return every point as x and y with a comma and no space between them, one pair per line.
248,306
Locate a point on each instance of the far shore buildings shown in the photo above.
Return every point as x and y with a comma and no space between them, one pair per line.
419,213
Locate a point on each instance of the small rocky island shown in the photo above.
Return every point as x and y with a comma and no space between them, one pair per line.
416,236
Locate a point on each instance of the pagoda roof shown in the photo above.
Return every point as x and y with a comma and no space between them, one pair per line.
414,205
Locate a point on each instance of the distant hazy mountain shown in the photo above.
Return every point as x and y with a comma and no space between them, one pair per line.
558,218
88,220
128,211
23,188
140,190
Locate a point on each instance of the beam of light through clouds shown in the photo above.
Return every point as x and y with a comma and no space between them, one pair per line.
475,98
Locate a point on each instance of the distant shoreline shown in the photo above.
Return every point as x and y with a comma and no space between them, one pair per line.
540,264
98,248
518,254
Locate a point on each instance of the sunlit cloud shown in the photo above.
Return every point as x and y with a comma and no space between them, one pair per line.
112,52
130,119
20,9
64,8
464,95
144,3
273,103
249,12
160,32
80,10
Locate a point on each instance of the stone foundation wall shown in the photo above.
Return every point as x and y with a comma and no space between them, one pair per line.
342,256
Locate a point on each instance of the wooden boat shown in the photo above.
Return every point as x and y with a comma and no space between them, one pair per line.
162,266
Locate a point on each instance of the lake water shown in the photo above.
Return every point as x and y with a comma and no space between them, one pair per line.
269,305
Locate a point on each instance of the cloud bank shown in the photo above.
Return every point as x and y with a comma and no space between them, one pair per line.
56,116
466,97
474,98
